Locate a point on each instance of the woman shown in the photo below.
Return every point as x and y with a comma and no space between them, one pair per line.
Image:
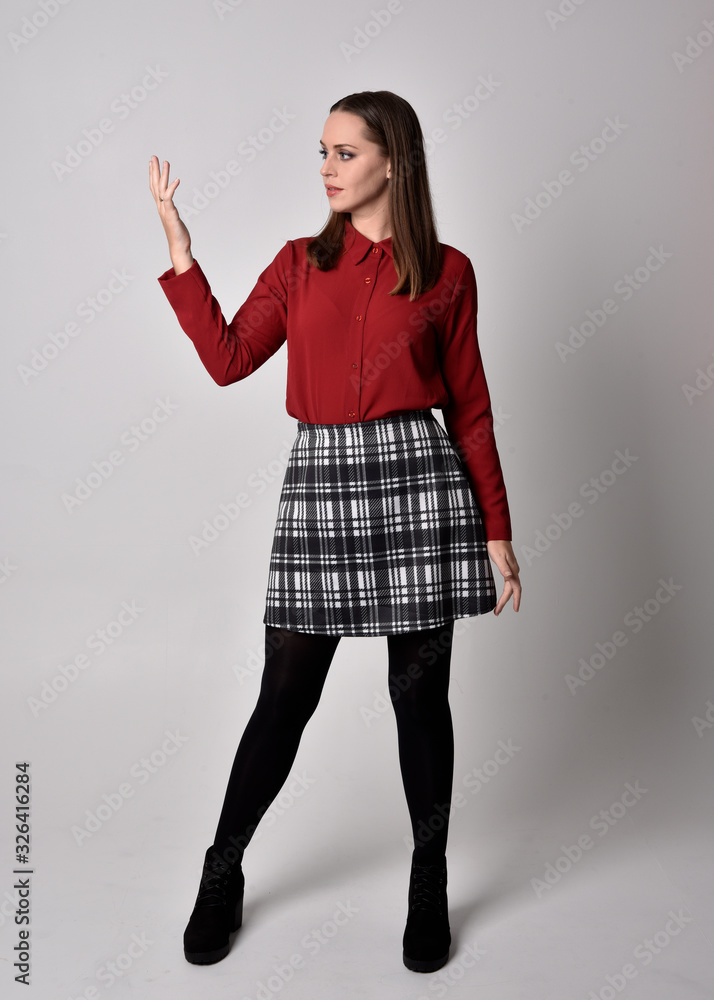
382,527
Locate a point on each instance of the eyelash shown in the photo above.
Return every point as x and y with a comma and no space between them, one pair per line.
343,152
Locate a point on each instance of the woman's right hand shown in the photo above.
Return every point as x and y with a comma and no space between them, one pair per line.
177,234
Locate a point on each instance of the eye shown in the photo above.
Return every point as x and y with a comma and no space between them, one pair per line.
342,152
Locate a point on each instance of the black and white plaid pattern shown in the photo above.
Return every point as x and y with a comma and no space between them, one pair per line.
378,531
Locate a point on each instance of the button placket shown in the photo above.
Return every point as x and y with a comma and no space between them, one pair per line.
369,282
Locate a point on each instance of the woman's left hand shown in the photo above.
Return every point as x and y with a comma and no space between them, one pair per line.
501,552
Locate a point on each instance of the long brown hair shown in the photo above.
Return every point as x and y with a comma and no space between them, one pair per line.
392,124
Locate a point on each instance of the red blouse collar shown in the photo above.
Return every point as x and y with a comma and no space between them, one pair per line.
357,246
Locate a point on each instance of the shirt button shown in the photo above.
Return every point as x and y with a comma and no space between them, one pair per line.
351,413
354,365
367,281
375,249
358,317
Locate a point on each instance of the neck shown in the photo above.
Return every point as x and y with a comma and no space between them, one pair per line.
374,227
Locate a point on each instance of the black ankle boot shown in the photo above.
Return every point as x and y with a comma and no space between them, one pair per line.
217,913
427,936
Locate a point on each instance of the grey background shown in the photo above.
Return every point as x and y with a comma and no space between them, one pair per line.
188,663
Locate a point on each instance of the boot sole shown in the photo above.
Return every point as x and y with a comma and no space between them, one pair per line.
424,964
209,957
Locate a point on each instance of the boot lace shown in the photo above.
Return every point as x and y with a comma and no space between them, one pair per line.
428,882
214,880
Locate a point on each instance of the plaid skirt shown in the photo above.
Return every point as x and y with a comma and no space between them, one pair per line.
378,531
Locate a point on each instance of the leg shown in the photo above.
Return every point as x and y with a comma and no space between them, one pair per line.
296,665
426,739
419,665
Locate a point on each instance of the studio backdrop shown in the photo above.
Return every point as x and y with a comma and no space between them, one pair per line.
569,150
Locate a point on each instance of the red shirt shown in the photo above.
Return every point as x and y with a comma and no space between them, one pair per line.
355,352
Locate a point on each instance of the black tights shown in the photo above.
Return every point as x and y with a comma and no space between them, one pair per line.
296,665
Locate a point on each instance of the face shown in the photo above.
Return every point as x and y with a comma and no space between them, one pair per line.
355,166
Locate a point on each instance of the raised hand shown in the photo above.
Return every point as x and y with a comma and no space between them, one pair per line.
177,234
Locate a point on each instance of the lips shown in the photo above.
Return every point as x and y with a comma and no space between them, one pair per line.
331,187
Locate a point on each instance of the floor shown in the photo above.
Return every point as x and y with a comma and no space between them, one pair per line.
626,917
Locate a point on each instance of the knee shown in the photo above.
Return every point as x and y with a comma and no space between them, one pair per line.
285,707
418,698
286,699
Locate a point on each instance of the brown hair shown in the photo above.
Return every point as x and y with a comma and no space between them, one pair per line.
392,124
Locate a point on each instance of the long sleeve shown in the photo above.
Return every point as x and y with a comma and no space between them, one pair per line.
467,417
231,351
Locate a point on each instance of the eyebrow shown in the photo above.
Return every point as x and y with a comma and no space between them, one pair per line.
339,145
